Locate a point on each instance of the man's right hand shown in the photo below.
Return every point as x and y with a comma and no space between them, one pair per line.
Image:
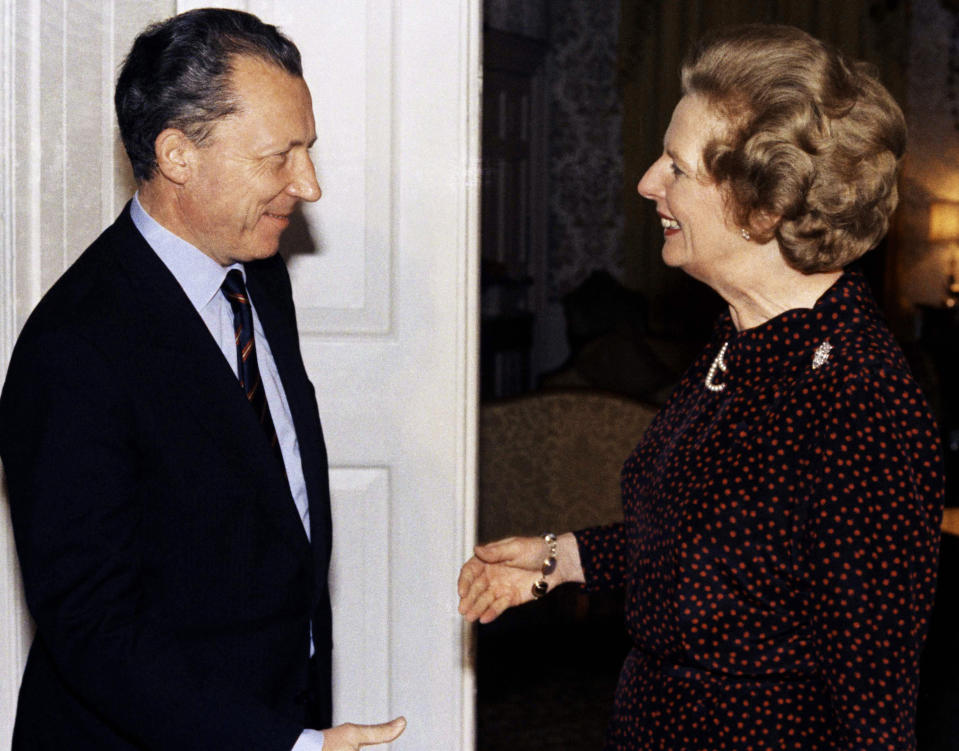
350,737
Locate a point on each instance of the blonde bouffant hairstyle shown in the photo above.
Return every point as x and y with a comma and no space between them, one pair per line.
813,144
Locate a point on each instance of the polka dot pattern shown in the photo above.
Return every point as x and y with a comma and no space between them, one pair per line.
779,543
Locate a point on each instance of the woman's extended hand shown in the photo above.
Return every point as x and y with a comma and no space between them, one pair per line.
501,574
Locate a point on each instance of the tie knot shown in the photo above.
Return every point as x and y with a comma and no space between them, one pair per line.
234,288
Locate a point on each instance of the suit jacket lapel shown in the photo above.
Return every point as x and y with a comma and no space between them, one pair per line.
281,332
184,348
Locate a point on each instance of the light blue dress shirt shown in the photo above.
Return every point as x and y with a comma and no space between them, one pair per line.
201,277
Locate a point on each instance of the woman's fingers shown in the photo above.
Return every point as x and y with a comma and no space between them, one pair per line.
483,589
495,609
477,605
509,550
468,574
481,586
498,577
522,552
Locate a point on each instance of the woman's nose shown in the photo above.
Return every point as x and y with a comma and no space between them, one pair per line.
651,183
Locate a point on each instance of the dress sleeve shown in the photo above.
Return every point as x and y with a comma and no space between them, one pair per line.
603,555
869,553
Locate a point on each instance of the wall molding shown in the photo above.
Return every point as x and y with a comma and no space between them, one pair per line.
14,623
7,215
468,334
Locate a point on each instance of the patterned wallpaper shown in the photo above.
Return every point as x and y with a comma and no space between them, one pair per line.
526,17
585,225
586,164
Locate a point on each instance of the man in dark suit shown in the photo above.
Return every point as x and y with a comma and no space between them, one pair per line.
161,440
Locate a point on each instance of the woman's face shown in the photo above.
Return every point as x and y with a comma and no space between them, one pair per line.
699,237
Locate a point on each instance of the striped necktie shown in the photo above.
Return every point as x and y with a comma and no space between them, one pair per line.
249,374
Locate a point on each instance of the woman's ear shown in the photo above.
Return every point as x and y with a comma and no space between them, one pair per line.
765,222
761,227
174,154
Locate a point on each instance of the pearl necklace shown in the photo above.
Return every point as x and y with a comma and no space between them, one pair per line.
719,364
820,358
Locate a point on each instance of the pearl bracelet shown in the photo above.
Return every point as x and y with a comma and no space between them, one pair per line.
541,587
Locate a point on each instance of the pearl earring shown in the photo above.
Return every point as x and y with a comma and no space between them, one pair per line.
745,233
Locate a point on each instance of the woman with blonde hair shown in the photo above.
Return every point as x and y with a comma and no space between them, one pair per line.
781,514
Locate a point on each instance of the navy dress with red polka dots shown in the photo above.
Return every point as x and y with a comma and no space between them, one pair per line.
779,543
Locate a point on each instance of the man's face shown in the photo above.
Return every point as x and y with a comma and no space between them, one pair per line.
254,169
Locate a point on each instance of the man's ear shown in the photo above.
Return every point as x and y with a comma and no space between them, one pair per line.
175,155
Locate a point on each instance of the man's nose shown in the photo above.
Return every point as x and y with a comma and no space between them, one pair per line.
304,184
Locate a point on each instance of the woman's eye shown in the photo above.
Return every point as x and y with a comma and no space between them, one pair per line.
676,170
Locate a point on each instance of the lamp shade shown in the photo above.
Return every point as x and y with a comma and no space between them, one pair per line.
944,221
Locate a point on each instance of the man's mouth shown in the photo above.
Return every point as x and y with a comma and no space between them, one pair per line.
283,219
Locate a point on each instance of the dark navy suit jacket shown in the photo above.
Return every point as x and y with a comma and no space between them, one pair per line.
168,572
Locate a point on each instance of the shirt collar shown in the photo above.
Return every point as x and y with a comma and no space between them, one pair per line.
198,274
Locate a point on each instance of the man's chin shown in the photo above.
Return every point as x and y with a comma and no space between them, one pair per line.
259,251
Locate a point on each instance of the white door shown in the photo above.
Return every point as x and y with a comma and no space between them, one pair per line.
385,276
385,306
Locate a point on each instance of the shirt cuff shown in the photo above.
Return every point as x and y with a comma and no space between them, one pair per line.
309,740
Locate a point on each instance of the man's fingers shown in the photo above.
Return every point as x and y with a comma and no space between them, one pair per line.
350,736
371,735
